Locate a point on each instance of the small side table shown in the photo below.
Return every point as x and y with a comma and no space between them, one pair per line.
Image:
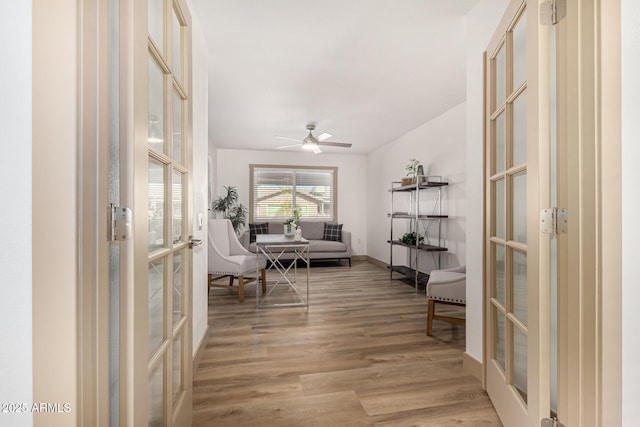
273,247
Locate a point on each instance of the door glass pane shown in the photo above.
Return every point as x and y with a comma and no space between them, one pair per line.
177,287
156,21
177,127
177,206
520,52
519,271
501,141
156,304
500,341
177,47
156,106
500,275
520,362
176,367
500,64
156,400
499,210
519,223
520,129
156,204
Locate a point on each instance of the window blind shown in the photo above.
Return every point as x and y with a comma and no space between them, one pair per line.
278,191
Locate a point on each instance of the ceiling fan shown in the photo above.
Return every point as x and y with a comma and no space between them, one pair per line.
313,143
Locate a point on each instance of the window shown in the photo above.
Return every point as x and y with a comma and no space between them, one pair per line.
278,190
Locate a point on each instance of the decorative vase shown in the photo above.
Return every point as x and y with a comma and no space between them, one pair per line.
289,229
298,234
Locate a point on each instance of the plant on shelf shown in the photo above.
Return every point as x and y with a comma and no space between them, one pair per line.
411,238
230,208
413,168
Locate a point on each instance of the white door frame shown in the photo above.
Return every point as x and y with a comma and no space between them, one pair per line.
590,339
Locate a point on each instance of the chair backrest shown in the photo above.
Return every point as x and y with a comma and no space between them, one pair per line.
219,230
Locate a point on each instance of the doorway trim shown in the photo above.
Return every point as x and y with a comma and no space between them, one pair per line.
590,62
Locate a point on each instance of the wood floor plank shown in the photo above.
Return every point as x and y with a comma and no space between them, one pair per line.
358,356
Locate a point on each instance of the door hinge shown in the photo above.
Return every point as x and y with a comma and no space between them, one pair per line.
552,11
554,221
119,223
550,422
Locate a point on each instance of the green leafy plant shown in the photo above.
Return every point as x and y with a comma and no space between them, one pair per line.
288,224
410,238
412,167
230,209
296,216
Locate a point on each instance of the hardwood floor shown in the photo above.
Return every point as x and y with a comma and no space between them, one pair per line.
358,357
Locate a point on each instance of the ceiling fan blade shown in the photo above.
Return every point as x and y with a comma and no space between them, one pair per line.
286,137
289,146
323,136
335,144
316,150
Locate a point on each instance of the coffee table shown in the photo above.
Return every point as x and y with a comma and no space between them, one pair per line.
273,247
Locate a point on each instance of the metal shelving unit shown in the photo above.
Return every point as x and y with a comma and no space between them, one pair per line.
420,223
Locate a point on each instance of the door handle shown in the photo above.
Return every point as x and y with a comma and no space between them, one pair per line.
194,242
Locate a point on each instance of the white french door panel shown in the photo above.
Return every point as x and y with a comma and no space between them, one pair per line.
516,171
159,288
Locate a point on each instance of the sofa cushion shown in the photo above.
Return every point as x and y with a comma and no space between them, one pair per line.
315,246
332,232
257,229
326,246
312,230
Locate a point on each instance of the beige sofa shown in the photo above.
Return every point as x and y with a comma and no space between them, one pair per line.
318,247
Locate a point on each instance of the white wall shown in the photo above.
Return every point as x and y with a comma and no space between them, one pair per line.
233,169
481,24
55,177
15,223
438,145
200,118
630,209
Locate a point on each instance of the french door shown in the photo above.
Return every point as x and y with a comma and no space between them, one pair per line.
137,327
161,160
516,316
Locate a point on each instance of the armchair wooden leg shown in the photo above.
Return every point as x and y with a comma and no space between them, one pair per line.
230,280
263,280
431,308
240,288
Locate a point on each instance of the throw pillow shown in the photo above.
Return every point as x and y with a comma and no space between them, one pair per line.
332,232
257,229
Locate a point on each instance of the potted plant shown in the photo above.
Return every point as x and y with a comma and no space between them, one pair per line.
230,208
412,168
289,227
412,238
296,216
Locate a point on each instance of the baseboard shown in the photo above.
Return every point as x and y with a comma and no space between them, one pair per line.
359,258
472,366
376,262
198,356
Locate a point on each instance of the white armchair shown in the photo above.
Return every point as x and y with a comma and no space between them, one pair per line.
227,258
446,286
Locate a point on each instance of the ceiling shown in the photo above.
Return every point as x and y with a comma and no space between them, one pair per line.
367,71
